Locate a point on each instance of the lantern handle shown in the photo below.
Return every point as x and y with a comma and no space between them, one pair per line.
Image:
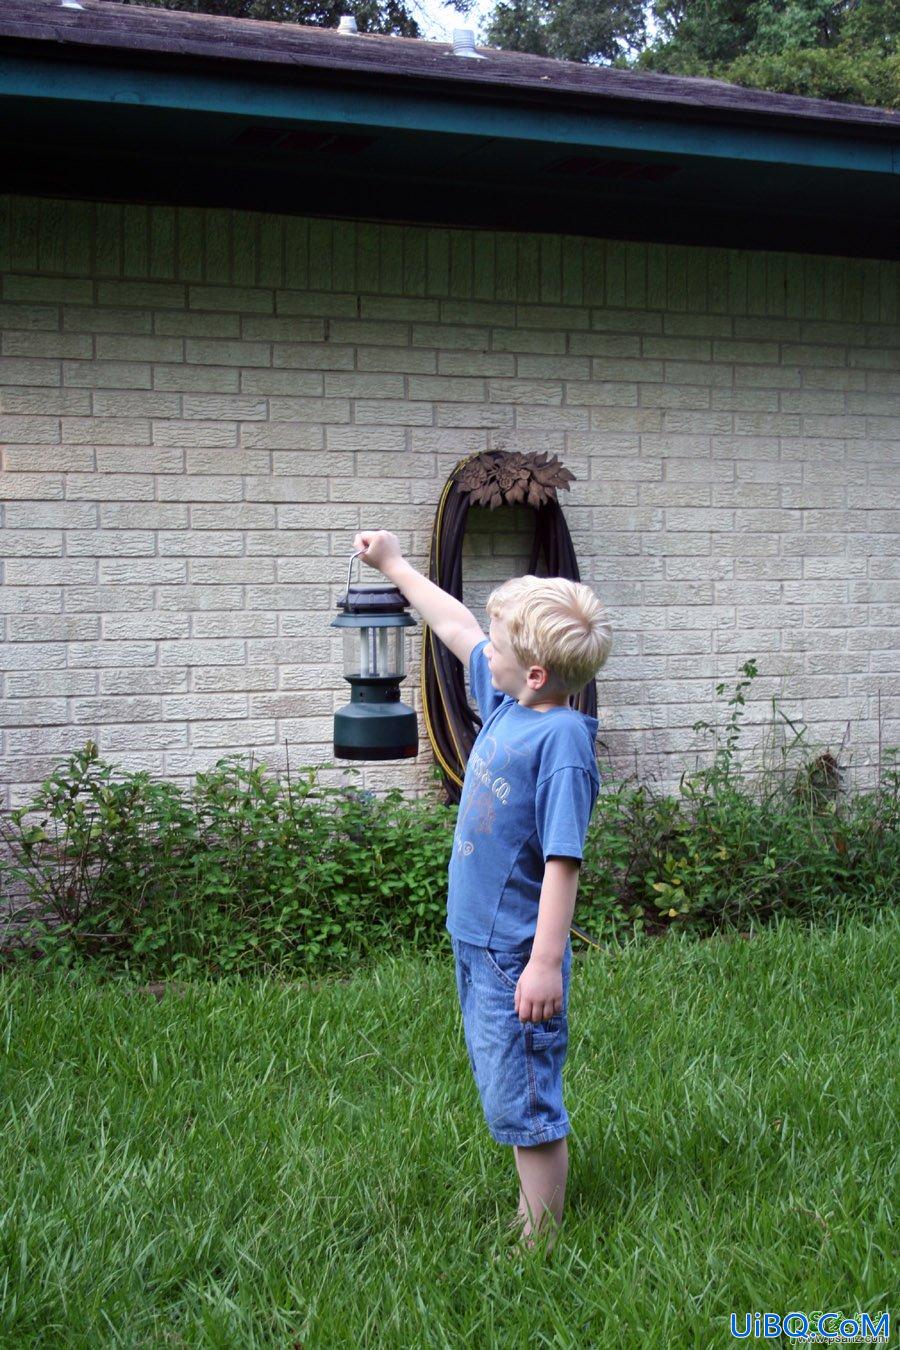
350,568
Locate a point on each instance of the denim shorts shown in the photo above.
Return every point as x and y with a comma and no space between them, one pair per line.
517,1066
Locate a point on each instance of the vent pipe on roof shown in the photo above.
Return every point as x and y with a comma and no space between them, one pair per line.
347,24
464,44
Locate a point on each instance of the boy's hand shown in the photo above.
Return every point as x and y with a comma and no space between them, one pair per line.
539,992
381,547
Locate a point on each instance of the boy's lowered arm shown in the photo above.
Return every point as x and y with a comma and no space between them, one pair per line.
555,909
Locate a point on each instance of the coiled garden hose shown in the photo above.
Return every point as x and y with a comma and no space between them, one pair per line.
450,722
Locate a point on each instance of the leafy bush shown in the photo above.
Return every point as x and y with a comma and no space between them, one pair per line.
728,852
254,872
250,872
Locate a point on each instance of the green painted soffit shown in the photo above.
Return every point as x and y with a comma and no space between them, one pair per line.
199,92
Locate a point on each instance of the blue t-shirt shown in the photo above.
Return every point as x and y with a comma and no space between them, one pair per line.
529,789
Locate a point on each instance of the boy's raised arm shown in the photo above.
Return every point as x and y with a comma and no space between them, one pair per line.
455,625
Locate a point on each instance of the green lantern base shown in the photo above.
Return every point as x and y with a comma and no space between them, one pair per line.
364,730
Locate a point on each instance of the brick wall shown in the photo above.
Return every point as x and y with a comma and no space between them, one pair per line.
200,408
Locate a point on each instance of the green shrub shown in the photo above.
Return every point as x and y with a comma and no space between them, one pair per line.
730,852
251,872
248,872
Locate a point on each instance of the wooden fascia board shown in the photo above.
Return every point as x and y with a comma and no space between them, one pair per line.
28,76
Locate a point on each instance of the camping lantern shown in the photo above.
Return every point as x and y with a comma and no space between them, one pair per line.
374,724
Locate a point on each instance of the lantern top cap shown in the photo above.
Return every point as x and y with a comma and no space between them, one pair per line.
373,597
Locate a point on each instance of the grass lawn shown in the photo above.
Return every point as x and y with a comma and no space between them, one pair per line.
269,1164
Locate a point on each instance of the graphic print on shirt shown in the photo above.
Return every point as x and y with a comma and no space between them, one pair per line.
489,776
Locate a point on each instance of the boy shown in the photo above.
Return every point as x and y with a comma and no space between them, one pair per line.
529,789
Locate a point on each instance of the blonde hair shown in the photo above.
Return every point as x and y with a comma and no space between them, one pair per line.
554,623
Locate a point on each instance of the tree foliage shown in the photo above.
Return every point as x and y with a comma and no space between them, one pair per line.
372,16
568,30
836,49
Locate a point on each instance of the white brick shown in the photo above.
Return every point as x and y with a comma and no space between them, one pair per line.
131,404
205,652
231,462
309,411
105,710
53,572
468,415
107,374
31,486
244,678
354,384
295,370
379,411
242,733
198,597
31,712
241,516
283,543
244,299
29,317
156,294
94,654
193,543
215,353
45,516
479,364
224,624
95,600
47,344
45,401
299,462
56,741
450,338
285,488
200,488
207,379
389,307
35,430
403,360
224,570
309,729
314,302
174,324
42,460
31,600
146,571
282,436
28,372
47,288
119,627
107,487
283,330
105,430
44,683
119,736
33,655
189,707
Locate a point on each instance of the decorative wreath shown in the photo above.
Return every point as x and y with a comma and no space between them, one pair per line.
497,477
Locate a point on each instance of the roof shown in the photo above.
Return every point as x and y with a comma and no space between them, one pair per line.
139,29
695,160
